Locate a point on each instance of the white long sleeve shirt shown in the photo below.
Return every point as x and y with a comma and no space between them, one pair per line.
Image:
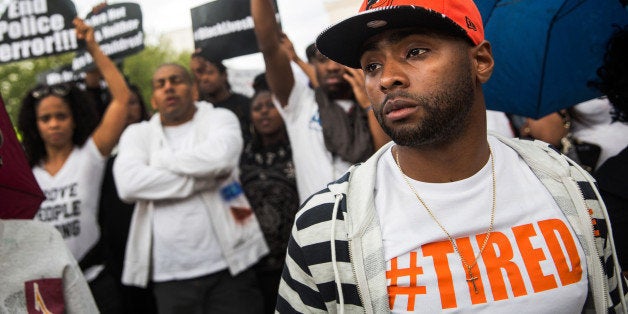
148,171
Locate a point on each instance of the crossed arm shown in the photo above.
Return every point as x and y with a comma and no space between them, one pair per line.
143,172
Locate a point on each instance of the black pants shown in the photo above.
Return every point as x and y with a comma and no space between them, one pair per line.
216,293
106,294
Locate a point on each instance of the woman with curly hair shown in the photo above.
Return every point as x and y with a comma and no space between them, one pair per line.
68,153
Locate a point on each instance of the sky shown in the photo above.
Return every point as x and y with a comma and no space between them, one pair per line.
302,20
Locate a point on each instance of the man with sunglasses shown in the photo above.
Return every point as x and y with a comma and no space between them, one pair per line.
184,237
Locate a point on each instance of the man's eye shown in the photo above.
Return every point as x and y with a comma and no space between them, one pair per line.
371,67
415,52
159,83
176,80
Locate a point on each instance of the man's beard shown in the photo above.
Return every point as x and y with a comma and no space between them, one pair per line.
444,116
340,90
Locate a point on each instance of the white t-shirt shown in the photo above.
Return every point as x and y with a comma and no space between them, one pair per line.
533,262
594,124
498,122
72,197
314,165
184,243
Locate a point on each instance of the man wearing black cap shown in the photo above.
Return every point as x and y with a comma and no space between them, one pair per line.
446,217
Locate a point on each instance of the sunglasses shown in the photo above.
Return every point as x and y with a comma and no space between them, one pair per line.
60,90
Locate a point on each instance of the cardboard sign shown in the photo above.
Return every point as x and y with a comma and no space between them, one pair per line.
224,29
36,28
118,30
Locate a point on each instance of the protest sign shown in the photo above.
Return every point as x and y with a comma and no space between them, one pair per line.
224,29
59,75
36,28
118,30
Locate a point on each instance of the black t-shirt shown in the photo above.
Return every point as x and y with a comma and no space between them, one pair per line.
241,106
612,180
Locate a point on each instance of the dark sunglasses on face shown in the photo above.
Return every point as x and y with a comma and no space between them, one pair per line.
60,90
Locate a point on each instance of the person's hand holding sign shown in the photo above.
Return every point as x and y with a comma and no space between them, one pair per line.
84,32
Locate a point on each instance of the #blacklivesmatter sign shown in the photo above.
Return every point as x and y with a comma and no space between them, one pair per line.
118,30
224,29
36,28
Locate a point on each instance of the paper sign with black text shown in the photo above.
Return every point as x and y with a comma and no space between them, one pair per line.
224,28
36,28
118,30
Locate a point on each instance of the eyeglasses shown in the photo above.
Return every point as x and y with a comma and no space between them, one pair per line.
60,90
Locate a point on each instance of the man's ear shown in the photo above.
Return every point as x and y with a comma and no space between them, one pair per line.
484,61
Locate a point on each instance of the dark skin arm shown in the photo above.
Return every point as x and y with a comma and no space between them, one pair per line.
306,67
279,74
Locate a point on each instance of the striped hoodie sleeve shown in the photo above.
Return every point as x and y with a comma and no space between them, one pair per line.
308,284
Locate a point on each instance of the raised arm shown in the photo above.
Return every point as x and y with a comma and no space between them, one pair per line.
278,71
113,122
356,79
306,67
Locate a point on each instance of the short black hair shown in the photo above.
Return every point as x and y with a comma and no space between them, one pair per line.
260,84
310,52
217,63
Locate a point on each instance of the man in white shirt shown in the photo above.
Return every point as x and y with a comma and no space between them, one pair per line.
445,218
184,236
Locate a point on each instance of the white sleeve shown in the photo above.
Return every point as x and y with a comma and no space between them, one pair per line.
216,156
300,99
136,180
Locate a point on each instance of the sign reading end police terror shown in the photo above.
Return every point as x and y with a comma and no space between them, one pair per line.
224,29
117,29
36,28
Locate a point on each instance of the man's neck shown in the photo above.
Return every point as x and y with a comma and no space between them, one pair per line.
453,161
218,96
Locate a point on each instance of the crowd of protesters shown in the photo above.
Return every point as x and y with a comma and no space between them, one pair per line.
302,197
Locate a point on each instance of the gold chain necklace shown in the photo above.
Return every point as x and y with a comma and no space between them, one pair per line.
471,278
